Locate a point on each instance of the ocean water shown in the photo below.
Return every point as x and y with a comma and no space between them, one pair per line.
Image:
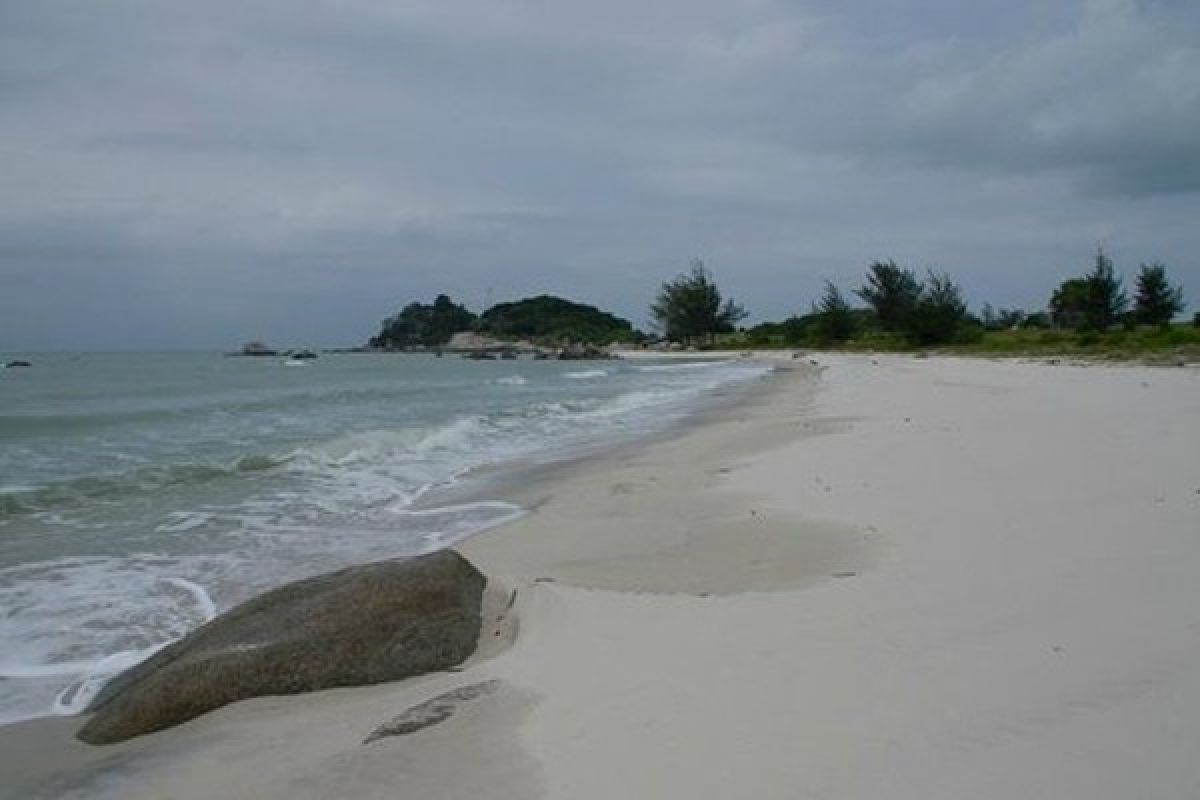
141,494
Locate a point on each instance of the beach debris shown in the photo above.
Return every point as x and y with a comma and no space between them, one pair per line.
433,711
367,624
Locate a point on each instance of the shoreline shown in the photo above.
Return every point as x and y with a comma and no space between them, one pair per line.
905,578
533,487
509,481
585,525
473,489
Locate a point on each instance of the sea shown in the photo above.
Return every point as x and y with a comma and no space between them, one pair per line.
142,494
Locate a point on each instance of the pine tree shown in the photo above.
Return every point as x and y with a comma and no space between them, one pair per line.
1156,301
691,307
835,319
1105,299
892,292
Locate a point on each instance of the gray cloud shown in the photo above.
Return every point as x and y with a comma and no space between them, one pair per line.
202,173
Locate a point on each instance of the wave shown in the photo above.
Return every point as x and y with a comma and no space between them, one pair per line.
405,457
78,491
511,380
305,495
140,411
355,448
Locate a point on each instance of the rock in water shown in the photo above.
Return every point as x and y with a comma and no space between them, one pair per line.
379,622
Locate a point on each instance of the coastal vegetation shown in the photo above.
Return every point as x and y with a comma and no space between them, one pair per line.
420,325
1087,315
553,319
1157,301
543,319
690,308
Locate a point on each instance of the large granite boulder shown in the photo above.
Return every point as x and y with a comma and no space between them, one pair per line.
379,622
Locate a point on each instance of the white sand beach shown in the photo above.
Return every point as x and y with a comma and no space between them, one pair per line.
882,577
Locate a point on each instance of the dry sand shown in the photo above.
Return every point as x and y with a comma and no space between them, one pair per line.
935,578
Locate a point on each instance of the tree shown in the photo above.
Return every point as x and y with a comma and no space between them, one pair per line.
553,319
1094,302
1106,300
690,307
447,318
892,292
1069,303
939,314
835,318
420,325
1156,301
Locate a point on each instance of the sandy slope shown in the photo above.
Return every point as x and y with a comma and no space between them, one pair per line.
930,578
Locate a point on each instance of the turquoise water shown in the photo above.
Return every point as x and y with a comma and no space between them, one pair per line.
140,494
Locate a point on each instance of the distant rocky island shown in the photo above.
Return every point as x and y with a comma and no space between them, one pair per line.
258,349
254,349
544,326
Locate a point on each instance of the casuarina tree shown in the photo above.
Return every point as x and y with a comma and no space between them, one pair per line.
892,293
1069,303
1094,302
1156,300
835,318
940,312
690,307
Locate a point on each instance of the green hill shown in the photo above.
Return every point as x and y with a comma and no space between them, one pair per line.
553,319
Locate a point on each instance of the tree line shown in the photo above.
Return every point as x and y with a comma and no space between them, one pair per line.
896,302
920,311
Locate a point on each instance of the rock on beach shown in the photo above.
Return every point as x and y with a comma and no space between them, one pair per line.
367,624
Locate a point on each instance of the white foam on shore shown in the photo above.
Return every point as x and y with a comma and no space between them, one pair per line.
91,676
102,597
204,601
78,695
586,374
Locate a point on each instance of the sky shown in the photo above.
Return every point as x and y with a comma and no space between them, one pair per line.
194,175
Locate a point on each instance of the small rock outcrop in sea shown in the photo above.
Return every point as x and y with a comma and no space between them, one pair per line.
583,352
361,625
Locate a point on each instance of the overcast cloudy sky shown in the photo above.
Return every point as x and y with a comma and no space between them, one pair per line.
197,174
